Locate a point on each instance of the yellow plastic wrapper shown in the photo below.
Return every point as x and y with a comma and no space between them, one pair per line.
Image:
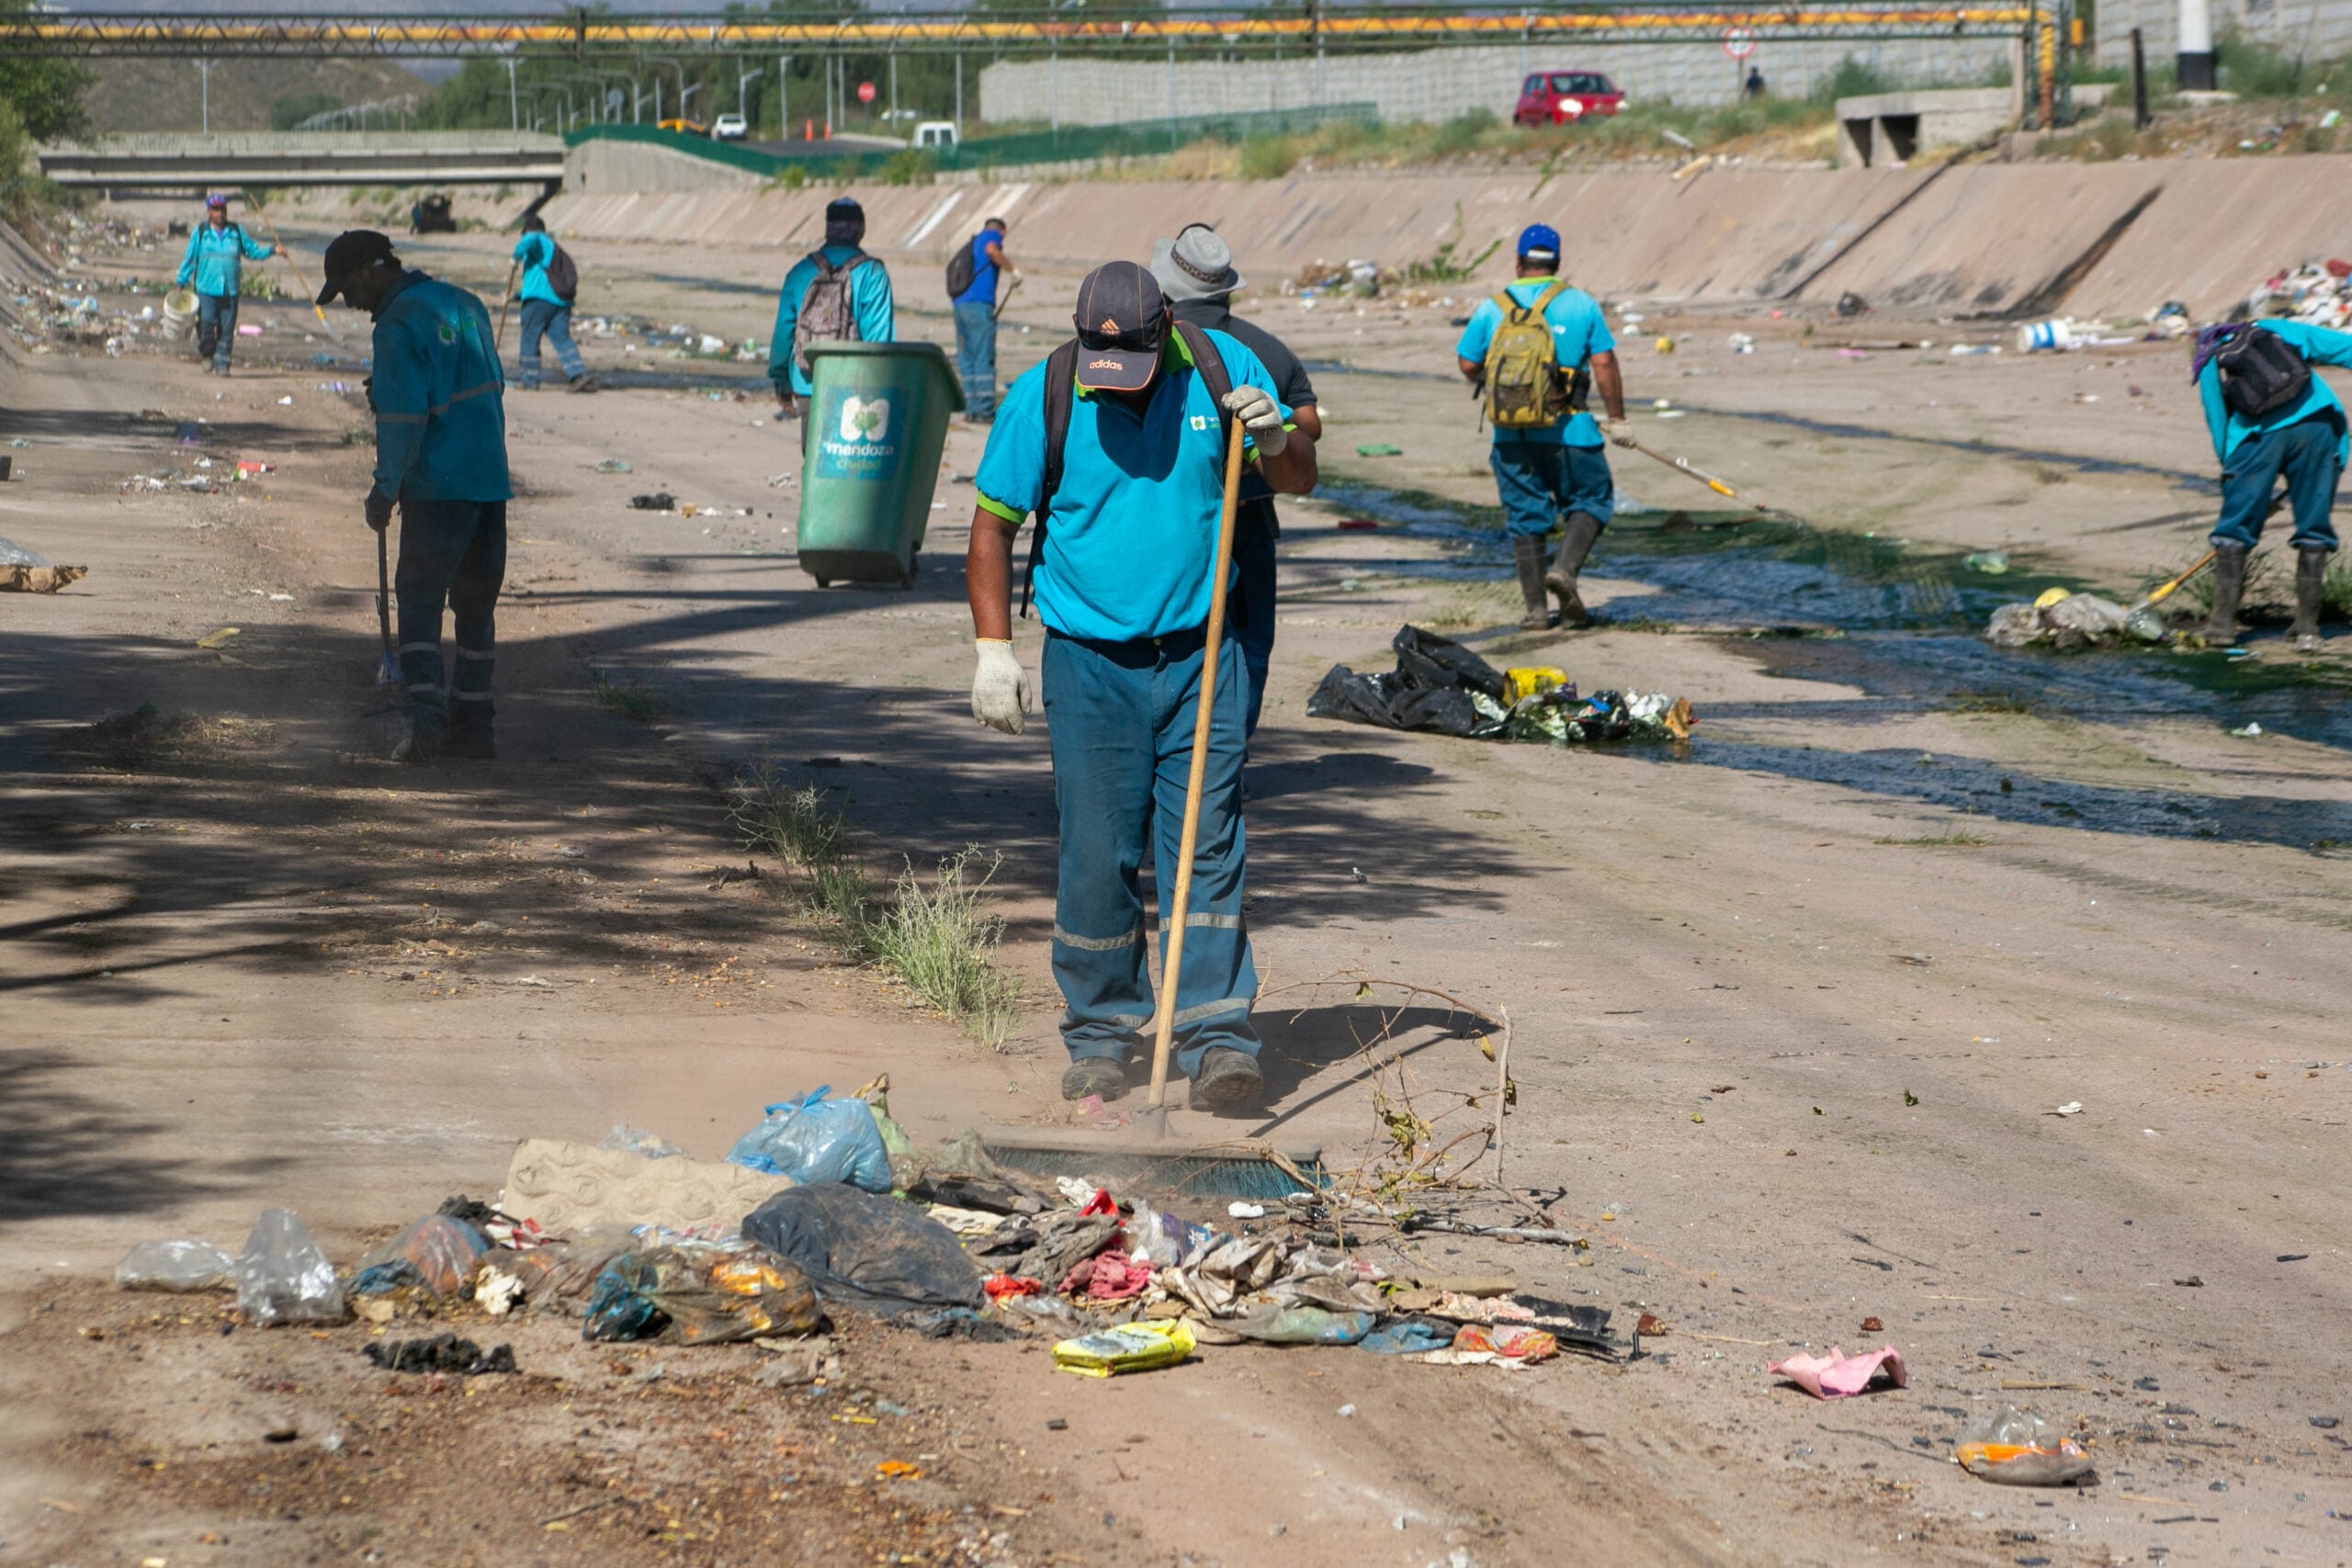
1126,1348
2051,596
1528,679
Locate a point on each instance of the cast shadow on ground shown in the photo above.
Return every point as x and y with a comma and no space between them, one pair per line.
63,1153
1310,1054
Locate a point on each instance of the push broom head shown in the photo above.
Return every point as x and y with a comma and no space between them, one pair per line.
1246,1168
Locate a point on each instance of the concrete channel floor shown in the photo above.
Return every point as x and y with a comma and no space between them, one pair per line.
1794,1007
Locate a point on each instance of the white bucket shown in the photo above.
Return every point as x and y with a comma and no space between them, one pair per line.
2036,336
179,312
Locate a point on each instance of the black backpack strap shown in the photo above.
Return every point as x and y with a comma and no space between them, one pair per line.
1214,374
1061,390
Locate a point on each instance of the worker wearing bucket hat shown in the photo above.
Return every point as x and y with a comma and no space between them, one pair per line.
214,265
1116,443
1198,279
1534,351
441,456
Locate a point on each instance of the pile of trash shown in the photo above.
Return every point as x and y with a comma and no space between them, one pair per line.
825,1207
1442,687
2071,622
2319,293
28,571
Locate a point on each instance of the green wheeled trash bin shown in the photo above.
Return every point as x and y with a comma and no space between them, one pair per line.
877,421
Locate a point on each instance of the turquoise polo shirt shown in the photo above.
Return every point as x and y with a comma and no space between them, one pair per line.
1578,333
870,307
215,258
438,396
536,251
1131,541
2318,345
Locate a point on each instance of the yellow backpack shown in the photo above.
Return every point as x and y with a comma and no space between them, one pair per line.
1525,384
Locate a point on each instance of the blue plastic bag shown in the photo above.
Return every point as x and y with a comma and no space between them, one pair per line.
814,1140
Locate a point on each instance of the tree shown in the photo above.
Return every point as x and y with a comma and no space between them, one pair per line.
46,95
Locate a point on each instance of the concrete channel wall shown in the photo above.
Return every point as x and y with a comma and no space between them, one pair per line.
2078,239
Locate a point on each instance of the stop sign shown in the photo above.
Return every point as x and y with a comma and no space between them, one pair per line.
865,92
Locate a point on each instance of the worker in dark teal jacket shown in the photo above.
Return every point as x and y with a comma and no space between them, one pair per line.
214,264
441,456
546,312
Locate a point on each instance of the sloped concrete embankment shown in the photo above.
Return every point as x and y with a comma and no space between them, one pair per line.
2086,239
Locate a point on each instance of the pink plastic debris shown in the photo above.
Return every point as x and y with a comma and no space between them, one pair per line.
1836,1375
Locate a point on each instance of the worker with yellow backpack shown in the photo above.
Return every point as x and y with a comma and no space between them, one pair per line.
1534,352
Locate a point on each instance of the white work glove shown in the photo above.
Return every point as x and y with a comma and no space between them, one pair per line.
1000,686
1619,430
1261,416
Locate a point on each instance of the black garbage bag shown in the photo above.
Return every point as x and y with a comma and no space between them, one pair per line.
1428,660
863,1250
1430,689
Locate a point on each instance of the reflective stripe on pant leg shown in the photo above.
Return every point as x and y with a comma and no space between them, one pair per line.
1098,720
481,571
1219,982
434,536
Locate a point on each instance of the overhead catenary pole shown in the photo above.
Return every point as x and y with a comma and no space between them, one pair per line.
514,104
784,98
204,69
959,95
2194,63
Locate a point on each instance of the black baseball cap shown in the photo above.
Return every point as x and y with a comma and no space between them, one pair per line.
353,252
1122,320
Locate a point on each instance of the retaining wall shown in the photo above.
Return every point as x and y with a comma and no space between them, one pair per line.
2090,238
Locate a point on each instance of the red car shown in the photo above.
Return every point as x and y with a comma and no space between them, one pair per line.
1563,97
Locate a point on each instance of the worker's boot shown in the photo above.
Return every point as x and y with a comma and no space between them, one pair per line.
2311,584
2229,586
471,736
1094,1075
1577,538
426,729
1528,551
1227,1076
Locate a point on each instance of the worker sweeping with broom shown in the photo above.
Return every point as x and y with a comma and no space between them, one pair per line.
1127,444
441,456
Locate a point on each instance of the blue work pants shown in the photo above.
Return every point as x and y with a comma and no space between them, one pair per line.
453,553
1121,718
975,356
216,328
554,322
2309,453
1543,481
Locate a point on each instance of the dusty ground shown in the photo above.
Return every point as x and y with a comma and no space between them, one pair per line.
1911,896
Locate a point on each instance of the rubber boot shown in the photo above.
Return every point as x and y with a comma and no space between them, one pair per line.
1528,551
2310,583
2229,586
1576,543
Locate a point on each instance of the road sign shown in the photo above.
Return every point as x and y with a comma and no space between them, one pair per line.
1738,42
865,92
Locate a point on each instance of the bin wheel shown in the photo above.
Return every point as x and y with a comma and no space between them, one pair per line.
824,581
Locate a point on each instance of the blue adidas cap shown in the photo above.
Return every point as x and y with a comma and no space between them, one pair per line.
1539,242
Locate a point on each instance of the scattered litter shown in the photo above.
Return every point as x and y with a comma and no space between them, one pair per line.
2015,1448
282,1277
1358,525
440,1353
701,1295
860,1250
215,641
2249,732
1126,1348
568,1187
2066,622
1992,563
2072,1107
1379,449
1971,350
659,501
637,1141
615,465
286,401
1441,687
1836,1375
175,1266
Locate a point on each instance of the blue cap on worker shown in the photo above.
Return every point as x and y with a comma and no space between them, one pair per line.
1539,242
218,198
